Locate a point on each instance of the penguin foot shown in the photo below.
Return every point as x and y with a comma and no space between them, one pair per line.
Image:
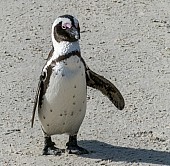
76,150
49,148
73,148
52,151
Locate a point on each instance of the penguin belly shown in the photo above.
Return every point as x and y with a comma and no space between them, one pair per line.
64,103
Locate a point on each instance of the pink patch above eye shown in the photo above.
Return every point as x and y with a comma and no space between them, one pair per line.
66,25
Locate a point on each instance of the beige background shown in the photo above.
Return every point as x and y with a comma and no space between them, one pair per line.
127,41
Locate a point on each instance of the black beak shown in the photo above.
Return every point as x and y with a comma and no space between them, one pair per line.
74,33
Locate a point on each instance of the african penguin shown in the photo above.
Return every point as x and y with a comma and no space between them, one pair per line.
62,88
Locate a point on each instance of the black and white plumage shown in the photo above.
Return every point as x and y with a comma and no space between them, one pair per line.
61,93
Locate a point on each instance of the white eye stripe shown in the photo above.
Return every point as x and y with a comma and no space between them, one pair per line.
64,21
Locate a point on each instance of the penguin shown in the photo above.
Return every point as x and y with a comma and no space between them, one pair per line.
62,89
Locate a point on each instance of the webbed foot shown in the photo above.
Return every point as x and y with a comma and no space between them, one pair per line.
73,148
49,148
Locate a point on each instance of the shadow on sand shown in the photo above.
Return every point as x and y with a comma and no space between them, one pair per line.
104,151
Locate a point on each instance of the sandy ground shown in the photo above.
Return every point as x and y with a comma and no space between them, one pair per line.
127,41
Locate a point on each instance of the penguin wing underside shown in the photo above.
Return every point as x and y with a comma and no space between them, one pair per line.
97,81
37,99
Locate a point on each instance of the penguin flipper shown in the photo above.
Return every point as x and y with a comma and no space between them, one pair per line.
36,100
40,89
97,81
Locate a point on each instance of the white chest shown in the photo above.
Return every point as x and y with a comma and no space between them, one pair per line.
64,104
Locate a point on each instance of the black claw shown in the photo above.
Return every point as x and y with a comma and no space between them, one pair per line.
73,148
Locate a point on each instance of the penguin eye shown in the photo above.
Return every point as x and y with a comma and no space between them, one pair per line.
66,25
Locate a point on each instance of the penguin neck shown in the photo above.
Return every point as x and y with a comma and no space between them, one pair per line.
64,47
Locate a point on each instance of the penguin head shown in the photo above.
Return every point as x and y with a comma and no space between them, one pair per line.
66,28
